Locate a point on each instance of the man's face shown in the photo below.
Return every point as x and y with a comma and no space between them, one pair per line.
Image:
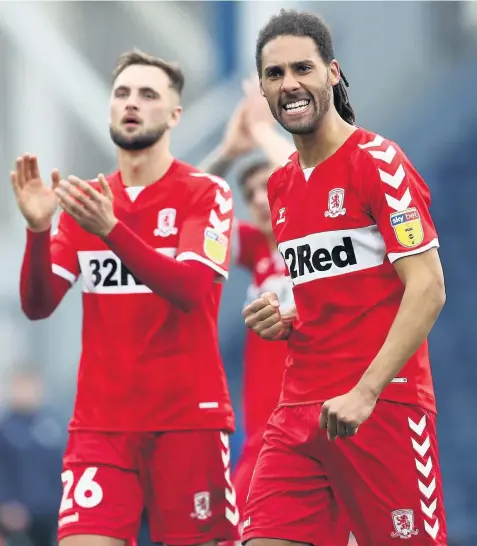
256,197
143,107
297,83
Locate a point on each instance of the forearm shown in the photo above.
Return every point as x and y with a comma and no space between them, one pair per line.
218,162
419,309
40,289
183,284
276,147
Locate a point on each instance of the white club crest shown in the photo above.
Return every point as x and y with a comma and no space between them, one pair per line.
166,219
335,203
403,521
202,505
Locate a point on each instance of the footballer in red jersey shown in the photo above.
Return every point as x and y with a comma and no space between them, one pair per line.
150,241
355,429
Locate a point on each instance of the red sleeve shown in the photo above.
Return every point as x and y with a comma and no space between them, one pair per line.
398,199
49,268
64,255
206,232
183,284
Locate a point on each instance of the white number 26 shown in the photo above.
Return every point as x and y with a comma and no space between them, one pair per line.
86,493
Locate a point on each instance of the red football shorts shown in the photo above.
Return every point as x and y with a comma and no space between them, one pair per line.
385,480
182,478
244,469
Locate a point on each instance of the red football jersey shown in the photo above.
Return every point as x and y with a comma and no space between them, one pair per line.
340,226
145,364
264,361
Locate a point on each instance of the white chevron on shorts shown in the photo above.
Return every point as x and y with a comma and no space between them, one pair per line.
422,448
418,428
231,510
427,491
425,468
429,510
432,530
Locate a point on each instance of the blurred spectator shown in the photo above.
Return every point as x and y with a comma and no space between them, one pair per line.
31,448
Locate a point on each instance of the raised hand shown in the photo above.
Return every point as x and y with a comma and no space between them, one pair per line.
36,201
237,141
92,209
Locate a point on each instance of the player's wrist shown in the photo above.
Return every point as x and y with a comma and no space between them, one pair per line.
110,228
260,130
368,391
227,153
39,228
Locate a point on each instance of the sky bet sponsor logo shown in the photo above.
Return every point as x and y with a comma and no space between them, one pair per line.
333,253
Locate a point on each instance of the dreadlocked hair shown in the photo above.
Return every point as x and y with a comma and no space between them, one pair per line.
295,23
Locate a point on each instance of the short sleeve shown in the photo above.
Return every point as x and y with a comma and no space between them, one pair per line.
206,232
64,257
398,200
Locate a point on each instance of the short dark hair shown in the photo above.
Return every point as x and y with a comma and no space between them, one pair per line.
137,57
251,170
304,24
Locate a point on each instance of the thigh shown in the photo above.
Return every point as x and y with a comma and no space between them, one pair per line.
388,477
101,491
189,494
290,497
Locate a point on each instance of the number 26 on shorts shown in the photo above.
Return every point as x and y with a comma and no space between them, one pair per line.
85,492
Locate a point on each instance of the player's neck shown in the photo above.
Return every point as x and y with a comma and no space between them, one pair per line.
316,147
144,167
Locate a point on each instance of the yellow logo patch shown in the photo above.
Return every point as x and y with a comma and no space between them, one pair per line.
408,227
215,245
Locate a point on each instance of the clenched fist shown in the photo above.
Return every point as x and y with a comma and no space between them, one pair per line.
264,318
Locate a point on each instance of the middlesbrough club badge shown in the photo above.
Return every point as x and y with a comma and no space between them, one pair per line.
166,219
403,521
335,203
202,505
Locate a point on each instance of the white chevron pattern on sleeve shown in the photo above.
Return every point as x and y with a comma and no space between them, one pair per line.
383,152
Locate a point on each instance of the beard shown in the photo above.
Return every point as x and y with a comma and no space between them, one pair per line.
320,105
136,143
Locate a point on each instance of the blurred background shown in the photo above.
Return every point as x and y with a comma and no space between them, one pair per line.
412,68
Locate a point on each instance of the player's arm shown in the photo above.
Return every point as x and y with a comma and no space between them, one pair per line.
49,269
234,144
275,146
203,252
251,126
49,266
399,202
423,299
182,284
